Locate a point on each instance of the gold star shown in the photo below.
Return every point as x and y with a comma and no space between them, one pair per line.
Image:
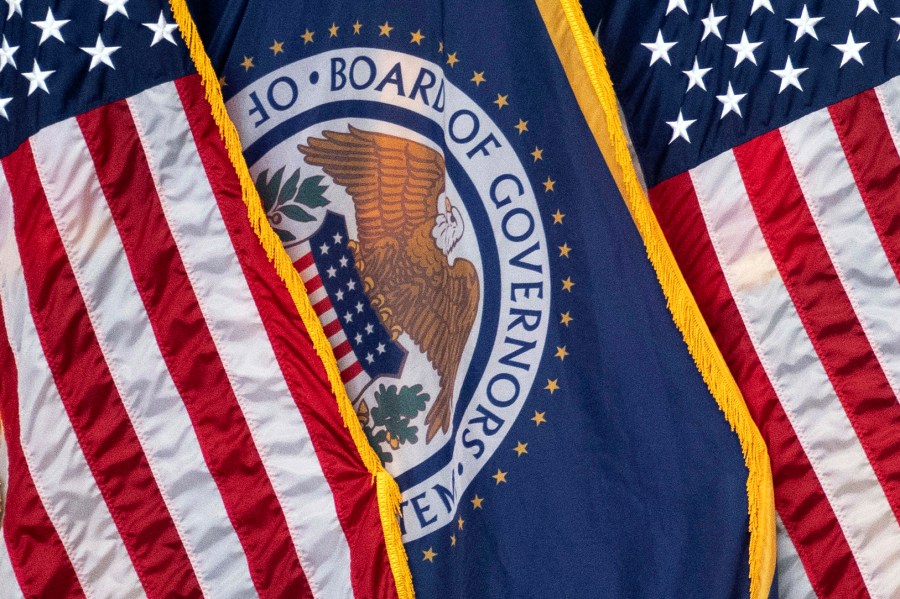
565,318
332,31
476,503
452,59
538,154
561,353
558,217
568,284
552,385
453,540
277,47
356,27
538,418
460,522
548,184
248,63
520,448
307,36
477,77
222,82
501,101
564,250
428,556
522,126
417,37
500,477
441,47
385,30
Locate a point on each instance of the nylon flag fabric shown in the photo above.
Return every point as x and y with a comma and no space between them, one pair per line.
500,331
170,429
768,134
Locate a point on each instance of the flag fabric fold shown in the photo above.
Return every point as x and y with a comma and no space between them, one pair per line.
451,183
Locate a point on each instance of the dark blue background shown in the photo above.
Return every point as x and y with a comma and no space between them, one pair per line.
635,486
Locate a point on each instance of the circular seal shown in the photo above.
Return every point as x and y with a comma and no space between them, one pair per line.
417,233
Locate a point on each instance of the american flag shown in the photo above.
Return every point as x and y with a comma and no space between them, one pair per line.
768,133
170,429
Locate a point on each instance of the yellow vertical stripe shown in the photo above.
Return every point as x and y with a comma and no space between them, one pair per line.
387,491
585,68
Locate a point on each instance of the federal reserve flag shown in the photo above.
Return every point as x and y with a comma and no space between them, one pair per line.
170,428
448,183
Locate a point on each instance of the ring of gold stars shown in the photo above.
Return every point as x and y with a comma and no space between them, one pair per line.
523,128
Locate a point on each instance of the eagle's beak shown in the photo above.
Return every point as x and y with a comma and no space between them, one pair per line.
447,205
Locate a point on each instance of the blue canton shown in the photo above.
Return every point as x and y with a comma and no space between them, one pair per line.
698,78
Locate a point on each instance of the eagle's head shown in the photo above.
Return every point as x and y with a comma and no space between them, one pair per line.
448,227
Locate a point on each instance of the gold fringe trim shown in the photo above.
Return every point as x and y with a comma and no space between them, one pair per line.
680,300
387,490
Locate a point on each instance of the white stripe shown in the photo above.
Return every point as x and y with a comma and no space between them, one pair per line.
348,360
237,329
337,338
135,362
809,400
848,234
793,583
356,385
318,295
58,468
889,98
327,317
9,587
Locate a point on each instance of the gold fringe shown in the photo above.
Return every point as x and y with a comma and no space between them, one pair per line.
388,492
680,300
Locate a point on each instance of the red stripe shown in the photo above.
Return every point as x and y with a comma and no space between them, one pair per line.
313,284
823,305
342,349
304,262
351,483
873,158
799,498
350,373
333,327
189,351
91,400
39,560
322,306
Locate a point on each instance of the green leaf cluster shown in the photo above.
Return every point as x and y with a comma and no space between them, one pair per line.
395,409
290,198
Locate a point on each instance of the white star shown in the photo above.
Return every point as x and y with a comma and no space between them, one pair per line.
673,4
680,127
343,262
358,338
338,238
789,75
351,285
332,272
15,6
348,317
101,54
894,19
162,30
3,103
864,4
660,49
359,307
745,49
757,4
6,54
695,76
711,24
805,24
851,49
37,79
369,328
339,295
380,348
323,248
370,358
730,102
50,27
114,6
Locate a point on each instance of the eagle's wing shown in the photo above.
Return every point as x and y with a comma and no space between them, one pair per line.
394,182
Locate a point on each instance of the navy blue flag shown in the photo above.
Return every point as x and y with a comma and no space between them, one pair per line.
436,178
